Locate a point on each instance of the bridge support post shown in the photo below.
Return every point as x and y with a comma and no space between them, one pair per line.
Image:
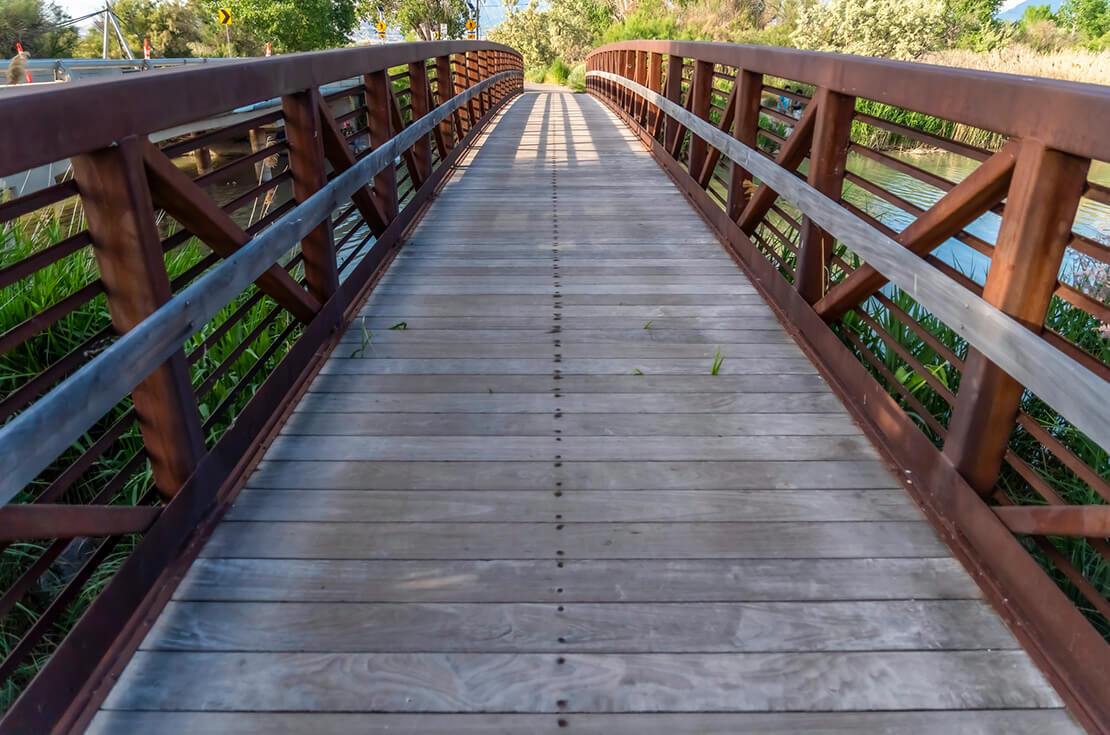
477,104
128,251
1036,228
421,106
654,118
451,128
674,94
301,111
641,78
745,128
827,160
699,105
379,103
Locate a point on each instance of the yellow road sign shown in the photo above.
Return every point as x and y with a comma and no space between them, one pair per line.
472,35
471,24
224,16
380,26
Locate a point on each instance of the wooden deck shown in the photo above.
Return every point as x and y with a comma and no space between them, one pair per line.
535,510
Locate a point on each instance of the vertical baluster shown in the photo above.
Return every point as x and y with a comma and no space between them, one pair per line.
674,94
699,106
128,251
445,90
745,127
477,104
378,104
653,116
1036,227
421,106
301,112
827,160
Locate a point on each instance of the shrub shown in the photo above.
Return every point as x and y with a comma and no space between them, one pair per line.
577,79
558,73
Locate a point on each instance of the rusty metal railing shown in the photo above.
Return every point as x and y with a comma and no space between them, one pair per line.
163,304
988,388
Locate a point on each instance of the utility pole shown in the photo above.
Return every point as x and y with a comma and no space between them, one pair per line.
104,22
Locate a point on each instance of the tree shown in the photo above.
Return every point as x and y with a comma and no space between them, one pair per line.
972,24
527,31
1090,18
899,29
575,27
34,23
290,25
420,18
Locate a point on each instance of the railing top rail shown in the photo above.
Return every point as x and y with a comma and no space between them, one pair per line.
34,438
1066,116
145,103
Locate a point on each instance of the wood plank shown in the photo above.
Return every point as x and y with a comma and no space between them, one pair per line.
544,336
478,682
571,448
976,722
690,367
631,351
538,424
402,506
418,476
605,384
671,540
715,403
610,628
619,580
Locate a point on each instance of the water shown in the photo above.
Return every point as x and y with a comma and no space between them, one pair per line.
1092,219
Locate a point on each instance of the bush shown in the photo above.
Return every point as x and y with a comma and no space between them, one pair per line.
558,73
535,74
577,79
897,29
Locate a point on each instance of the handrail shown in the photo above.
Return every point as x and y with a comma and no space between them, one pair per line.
33,439
147,103
980,389
1068,116
138,433
1001,338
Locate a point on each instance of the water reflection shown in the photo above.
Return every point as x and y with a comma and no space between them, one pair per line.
1092,219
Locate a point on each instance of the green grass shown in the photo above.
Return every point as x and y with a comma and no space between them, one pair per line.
30,296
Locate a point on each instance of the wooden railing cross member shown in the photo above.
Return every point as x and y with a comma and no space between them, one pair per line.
1036,227
301,112
128,251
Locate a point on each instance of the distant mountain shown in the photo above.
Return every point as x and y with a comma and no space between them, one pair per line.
1018,10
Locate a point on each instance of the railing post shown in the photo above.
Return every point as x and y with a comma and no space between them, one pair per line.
699,106
1036,228
421,106
653,115
473,75
445,90
827,160
745,128
674,94
641,104
481,63
378,104
128,251
301,112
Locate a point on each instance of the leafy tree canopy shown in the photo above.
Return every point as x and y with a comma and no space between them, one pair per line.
421,19
290,25
33,23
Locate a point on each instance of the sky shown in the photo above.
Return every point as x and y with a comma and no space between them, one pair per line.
492,11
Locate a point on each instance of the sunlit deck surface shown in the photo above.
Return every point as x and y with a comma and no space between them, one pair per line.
517,500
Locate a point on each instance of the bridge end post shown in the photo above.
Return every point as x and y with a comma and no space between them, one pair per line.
1036,227
301,111
127,246
827,162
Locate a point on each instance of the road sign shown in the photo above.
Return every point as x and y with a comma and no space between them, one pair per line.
471,24
471,35
224,16
380,26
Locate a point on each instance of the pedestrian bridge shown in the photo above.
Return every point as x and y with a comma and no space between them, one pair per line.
509,409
